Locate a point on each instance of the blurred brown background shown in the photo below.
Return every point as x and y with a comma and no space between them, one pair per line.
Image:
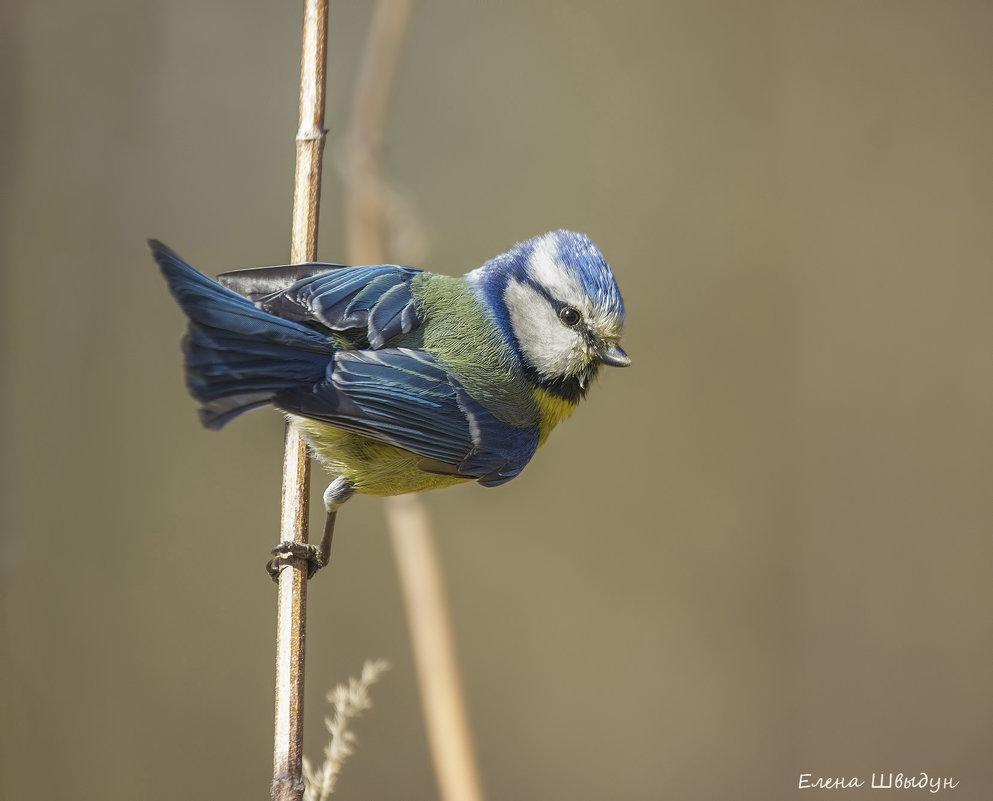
763,550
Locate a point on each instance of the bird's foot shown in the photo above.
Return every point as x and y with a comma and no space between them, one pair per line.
317,556
312,554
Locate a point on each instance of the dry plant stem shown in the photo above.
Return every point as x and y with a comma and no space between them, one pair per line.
410,531
291,626
291,612
311,133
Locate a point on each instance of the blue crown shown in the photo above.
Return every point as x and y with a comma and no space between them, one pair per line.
576,252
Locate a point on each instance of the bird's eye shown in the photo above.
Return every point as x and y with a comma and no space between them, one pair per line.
569,316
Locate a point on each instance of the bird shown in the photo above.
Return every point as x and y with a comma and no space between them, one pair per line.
403,380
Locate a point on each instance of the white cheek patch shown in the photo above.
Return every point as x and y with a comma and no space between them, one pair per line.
551,348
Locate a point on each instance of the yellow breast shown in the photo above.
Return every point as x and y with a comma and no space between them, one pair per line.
376,468
371,467
552,410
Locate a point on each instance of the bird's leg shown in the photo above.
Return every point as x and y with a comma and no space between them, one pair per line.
317,556
335,495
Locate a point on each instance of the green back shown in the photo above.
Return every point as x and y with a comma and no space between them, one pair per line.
458,328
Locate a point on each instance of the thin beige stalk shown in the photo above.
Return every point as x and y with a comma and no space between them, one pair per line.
434,650
364,186
410,531
291,612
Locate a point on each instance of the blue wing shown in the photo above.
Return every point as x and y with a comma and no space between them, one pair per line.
376,300
409,399
237,356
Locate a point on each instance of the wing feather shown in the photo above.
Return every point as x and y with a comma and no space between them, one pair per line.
409,399
375,300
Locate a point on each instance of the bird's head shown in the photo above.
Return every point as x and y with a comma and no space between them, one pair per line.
557,302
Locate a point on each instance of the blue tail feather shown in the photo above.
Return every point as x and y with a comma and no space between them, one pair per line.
237,356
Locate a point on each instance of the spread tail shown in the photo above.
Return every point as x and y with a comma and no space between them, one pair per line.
237,356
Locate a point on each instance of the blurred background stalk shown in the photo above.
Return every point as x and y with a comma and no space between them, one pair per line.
431,632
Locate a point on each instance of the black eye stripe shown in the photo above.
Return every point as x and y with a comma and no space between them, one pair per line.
530,282
554,302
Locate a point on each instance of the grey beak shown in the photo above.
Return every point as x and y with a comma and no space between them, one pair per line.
615,357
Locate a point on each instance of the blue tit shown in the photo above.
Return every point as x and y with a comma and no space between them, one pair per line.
404,380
